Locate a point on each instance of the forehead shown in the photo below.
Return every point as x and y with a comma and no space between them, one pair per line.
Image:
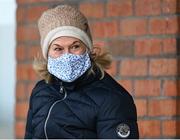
64,40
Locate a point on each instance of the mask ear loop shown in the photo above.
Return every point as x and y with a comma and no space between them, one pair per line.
88,50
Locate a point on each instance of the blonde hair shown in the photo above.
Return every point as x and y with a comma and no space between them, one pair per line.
100,59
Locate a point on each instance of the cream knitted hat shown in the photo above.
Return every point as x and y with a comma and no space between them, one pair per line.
63,20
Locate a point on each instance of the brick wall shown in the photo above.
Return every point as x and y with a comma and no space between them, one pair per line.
143,36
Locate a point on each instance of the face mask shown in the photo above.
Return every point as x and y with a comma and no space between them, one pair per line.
69,67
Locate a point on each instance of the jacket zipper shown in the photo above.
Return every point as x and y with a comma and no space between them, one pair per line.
62,89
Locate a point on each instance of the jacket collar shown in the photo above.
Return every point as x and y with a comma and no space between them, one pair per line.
84,80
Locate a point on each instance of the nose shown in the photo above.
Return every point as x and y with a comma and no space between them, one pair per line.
66,50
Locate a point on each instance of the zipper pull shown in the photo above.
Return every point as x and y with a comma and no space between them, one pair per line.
61,90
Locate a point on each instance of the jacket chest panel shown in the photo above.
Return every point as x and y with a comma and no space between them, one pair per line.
67,112
69,117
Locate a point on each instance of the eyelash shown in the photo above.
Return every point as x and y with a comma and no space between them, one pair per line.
58,49
76,46
72,47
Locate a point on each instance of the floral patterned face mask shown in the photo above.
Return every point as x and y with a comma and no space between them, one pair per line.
69,67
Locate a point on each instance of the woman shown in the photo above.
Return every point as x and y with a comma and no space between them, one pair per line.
77,98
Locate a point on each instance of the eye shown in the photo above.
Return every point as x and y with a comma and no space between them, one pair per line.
57,49
75,47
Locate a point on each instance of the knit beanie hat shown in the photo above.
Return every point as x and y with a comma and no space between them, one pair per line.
63,20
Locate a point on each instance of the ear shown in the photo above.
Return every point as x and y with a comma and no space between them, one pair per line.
88,50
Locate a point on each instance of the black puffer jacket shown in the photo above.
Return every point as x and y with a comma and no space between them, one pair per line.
86,108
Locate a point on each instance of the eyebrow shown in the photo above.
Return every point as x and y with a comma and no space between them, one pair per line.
69,45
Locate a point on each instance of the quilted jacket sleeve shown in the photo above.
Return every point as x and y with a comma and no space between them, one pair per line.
28,130
117,117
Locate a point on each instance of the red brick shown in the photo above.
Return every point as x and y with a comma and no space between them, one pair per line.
20,91
137,67
113,69
169,6
20,14
147,7
121,47
30,87
21,53
21,110
172,25
167,25
92,10
27,33
162,107
149,128
33,52
178,106
99,43
163,67
32,76
148,47
105,29
20,129
127,84
129,27
141,105
25,72
32,33
169,46
111,28
35,1
119,8
20,33
157,26
100,46
97,30
169,128
147,87
178,7
33,13
22,72
170,87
